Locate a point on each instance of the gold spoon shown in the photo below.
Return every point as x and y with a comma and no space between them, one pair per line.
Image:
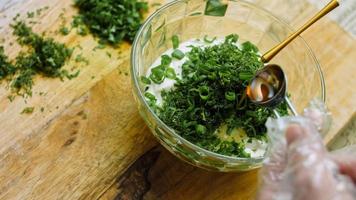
268,88
275,50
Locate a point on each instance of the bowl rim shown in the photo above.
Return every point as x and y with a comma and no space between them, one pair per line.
136,87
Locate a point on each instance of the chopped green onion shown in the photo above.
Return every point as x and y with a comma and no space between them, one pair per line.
245,76
204,92
200,129
150,97
170,73
248,46
230,96
209,41
175,41
215,8
158,74
233,38
165,60
178,54
145,80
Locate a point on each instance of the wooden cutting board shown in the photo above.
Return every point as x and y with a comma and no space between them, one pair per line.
90,132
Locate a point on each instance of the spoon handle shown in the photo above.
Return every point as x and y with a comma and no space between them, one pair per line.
291,106
275,50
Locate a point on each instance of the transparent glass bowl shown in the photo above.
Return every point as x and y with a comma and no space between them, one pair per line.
186,18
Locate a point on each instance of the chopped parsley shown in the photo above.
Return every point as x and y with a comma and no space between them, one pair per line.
6,68
28,110
210,93
43,56
112,21
215,8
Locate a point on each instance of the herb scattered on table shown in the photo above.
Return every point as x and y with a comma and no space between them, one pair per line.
6,68
63,29
43,57
82,59
28,110
211,93
110,20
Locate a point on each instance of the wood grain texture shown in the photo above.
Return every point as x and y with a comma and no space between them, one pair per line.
90,131
169,178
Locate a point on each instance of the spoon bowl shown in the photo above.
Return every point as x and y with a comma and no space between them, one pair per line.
268,87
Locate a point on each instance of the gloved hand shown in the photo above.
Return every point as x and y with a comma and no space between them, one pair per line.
300,167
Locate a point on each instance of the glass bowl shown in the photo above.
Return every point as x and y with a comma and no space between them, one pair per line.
187,19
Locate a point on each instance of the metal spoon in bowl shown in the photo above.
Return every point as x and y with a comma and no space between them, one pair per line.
269,86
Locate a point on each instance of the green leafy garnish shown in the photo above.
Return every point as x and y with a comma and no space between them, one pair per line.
209,41
248,46
158,74
28,110
175,41
44,56
112,21
170,73
212,92
64,30
178,54
166,60
145,80
6,68
215,8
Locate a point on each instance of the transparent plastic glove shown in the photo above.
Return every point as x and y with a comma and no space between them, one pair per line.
346,160
299,166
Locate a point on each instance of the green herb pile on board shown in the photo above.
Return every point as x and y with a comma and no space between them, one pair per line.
43,56
111,20
6,68
211,93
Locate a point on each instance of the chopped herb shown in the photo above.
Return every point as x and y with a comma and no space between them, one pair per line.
196,13
166,60
209,41
178,54
215,8
80,58
158,74
70,76
100,46
211,93
248,46
108,54
64,30
42,109
145,80
150,96
30,14
11,98
28,110
44,56
175,41
6,68
170,73
98,17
